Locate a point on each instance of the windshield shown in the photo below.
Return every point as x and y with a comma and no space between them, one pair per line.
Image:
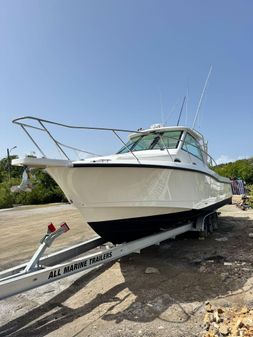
154,140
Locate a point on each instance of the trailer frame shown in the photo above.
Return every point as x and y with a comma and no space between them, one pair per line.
41,270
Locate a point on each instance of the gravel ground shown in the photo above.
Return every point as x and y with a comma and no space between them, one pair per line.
121,299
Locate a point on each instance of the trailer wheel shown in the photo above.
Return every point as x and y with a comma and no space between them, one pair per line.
215,221
210,226
207,224
206,228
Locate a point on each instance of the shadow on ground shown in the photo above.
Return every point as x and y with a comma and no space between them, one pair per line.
189,271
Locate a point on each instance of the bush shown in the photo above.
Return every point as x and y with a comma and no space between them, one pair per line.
6,197
240,169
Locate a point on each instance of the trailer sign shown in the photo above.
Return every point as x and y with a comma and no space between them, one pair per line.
79,265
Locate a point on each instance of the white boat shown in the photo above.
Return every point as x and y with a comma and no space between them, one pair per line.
159,178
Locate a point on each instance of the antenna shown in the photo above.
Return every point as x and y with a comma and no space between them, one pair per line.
186,104
201,97
180,113
171,110
161,107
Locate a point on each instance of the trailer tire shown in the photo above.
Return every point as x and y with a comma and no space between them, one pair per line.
210,226
205,228
215,221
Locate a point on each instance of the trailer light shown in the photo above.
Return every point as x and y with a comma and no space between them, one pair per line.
51,228
65,227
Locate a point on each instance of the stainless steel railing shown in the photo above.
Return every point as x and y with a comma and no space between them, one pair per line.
25,124
60,146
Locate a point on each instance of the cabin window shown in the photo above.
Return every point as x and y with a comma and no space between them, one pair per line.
140,143
129,145
170,139
153,140
146,142
192,146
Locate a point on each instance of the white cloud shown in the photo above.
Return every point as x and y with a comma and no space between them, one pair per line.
226,159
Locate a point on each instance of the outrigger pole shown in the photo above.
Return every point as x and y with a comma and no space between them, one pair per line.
180,113
201,97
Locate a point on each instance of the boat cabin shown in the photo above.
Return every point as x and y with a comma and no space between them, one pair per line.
182,144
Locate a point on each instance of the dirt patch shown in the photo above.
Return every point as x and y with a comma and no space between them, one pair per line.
121,299
23,227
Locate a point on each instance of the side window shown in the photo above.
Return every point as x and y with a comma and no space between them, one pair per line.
192,146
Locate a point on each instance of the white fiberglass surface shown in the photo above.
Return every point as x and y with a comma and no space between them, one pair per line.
129,188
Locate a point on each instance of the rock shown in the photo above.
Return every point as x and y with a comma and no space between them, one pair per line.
250,235
208,307
228,322
216,316
228,263
248,322
239,323
208,318
244,310
234,331
202,269
224,276
220,310
224,330
152,270
223,239
215,326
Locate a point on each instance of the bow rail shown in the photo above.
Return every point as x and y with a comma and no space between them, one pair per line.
60,146
25,124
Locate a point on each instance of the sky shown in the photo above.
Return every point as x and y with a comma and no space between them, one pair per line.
127,64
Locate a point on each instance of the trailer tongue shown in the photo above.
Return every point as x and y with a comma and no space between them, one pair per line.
86,256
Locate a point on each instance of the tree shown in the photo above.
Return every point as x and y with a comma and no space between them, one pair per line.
45,188
242,169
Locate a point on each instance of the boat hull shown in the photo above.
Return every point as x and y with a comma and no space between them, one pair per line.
124,202
124,230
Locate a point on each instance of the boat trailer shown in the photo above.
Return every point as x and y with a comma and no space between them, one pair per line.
41,270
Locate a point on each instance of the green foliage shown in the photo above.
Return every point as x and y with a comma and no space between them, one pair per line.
6,169
45,190
242,169
6,197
